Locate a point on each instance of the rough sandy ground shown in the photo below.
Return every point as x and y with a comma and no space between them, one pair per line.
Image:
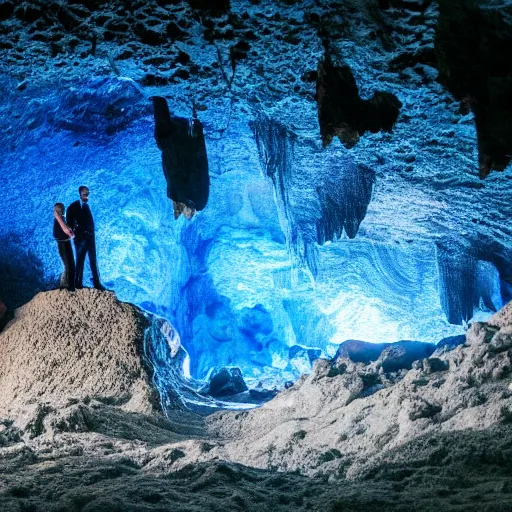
325,424
438,437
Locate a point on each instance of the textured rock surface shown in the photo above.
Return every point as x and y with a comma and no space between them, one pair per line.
476,71
436,437
395,238
264,278
463,390
62,348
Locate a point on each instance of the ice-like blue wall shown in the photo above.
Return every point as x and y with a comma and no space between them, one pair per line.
229,280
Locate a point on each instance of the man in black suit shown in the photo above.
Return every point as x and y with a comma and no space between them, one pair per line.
79,219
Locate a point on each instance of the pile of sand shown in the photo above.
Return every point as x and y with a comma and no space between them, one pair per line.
62,348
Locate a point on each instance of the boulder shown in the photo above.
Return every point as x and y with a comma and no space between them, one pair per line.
401,355
226,382
360,351
451,342
392,357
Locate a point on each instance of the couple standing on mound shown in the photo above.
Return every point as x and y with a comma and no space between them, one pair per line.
78,225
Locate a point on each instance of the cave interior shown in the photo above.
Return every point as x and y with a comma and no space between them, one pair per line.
358,155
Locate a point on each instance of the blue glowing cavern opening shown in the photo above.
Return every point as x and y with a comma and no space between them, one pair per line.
308,239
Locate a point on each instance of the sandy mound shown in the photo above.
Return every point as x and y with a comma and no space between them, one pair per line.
62,348
327,423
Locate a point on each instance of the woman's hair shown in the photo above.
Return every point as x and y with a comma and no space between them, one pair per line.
59,207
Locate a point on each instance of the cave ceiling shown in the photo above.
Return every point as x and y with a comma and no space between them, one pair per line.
419,91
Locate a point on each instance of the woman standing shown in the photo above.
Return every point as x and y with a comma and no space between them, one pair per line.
63,234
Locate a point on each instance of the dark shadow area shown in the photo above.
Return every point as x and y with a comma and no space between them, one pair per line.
112,421
102,106
496,253
458,458
450,342
467,275
341,111
5,319
226,382
21,272
457,282
473,46
212,6
464,470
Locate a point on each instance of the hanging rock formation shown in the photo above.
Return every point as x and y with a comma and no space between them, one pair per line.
184,157
473,41
341,111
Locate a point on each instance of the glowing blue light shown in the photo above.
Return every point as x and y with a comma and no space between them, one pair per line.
227,280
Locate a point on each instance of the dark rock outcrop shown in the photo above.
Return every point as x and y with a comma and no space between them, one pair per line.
342,112
344,201
451,342
473,42
360,351
401,355
184,158
226,382
391,357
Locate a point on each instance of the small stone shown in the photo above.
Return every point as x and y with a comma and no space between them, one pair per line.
434,364
480,333
423,409
501,341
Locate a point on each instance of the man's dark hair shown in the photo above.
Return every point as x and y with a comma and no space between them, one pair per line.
82,187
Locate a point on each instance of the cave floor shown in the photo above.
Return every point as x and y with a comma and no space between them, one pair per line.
116,468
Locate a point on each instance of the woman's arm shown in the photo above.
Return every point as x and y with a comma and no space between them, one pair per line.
63,225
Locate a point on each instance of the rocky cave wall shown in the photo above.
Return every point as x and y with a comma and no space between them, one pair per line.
384,232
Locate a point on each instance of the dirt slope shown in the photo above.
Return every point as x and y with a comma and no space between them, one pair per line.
62,348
